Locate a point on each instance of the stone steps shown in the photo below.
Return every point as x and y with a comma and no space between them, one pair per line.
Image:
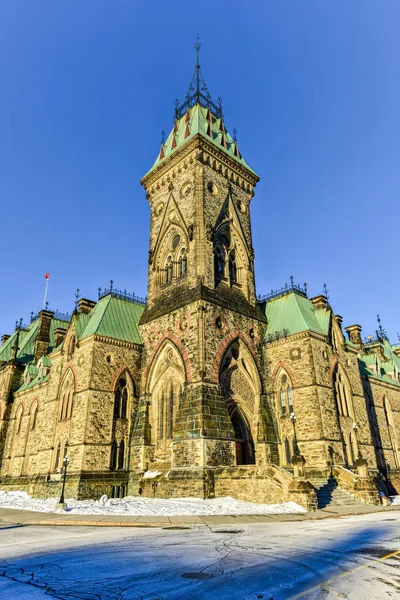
329,494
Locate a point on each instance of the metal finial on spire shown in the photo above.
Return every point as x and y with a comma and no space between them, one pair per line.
234,131
77,296
398,336
198,92
325,290
381,332
291,281
163,137
197,47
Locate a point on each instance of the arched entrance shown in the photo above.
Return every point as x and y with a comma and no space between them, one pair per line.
245,454
241,389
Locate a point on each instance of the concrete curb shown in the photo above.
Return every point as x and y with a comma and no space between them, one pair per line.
12,518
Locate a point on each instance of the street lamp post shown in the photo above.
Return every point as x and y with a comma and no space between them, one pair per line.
61,503
293,420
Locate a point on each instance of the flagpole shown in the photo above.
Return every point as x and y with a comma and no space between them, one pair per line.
47,276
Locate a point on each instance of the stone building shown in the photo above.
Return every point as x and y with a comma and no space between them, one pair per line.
204,389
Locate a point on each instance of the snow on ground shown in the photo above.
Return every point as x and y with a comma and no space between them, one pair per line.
137,506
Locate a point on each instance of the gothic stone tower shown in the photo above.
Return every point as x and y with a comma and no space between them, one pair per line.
204,404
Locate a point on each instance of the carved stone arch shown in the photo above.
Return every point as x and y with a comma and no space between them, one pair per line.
343,390
387,407
33,411
226,342
241,387
66,393
172,217
283,391
118,374
182,351
283,365
19,414
166,376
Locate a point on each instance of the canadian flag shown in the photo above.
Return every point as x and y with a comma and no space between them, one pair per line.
47,276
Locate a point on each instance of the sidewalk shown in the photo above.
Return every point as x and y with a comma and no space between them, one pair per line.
25,517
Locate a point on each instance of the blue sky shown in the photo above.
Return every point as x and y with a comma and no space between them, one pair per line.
312,87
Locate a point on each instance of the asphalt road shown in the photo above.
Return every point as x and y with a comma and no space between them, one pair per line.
352,557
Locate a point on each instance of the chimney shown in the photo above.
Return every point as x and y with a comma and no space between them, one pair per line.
354,332
85,305
397,351
42,341
59,335
319,301
4,338
339,320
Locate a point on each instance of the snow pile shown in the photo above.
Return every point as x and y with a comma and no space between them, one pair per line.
395,499
149,507
151,474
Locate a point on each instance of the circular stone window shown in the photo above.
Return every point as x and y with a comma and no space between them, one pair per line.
212,188
218,323
242,206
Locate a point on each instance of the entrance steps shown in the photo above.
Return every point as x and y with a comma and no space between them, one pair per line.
329,494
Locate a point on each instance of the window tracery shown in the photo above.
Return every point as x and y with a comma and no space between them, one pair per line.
342,393
285,394
67,396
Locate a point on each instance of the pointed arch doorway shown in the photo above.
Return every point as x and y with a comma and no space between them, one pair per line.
245,454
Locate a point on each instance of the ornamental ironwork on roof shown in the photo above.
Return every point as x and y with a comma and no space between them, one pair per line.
198,92
287,289
120,294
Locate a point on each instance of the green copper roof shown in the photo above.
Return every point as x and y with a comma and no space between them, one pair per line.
391,365
199,120
116,318
294,313
26,341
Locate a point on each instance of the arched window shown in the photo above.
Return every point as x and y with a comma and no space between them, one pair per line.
285,394
34,411
169,269
232,267
290,398
161,417
113,457
121,455
391,430
121,399
182,263
18,420
170,413
342,393
283,400
219,263
67,395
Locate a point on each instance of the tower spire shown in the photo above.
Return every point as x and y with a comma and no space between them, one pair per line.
197,47
198,92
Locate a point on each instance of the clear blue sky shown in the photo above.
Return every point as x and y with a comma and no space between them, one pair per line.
312,87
